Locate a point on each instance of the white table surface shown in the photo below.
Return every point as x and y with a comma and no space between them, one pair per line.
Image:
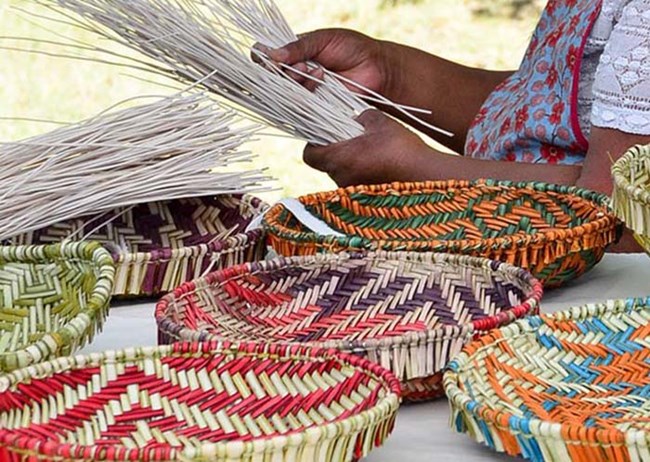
422,433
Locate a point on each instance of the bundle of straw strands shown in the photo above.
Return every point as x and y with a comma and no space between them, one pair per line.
176,147
209,42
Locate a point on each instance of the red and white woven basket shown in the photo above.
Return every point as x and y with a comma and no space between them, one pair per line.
410,312
218,402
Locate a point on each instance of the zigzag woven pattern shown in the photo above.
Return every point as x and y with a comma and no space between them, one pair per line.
159,245
556,232
631,195
408,312
572,386
198,402
52,300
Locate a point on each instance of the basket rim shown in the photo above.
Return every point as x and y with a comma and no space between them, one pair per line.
382,410
99,299
606,222
527,306
536,427
231,243
621,170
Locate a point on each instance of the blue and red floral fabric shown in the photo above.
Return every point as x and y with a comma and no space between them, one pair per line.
533,115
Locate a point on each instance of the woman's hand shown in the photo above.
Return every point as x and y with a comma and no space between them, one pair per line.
386,152
350,54
404,75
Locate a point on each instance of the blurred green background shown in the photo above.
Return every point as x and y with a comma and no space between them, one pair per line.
484,33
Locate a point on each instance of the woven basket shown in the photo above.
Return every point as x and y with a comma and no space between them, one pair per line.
568,387
198,402
556,232
52,300
631,195
157,246
408,312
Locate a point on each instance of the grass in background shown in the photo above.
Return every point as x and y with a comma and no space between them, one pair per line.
43,87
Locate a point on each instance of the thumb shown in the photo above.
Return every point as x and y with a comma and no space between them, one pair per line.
306,48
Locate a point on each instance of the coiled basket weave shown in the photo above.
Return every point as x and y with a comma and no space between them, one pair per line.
216,402
574,386
408,312
631,196
52,300
159,245
556,232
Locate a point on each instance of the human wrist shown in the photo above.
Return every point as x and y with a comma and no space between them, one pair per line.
421,164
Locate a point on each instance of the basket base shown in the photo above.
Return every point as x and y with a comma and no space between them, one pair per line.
423,389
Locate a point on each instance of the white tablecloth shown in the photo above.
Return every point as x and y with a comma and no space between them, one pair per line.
422,433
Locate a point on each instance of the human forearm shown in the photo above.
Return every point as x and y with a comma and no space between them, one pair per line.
452,92
434,165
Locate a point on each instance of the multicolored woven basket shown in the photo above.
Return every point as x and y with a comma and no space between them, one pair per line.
157,246
556,232
574,386
217,402
631,195
52,300
408,312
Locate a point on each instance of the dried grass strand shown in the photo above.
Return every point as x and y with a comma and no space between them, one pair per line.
180,146
209,41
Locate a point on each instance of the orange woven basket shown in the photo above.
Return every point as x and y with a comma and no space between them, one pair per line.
556,232
572,386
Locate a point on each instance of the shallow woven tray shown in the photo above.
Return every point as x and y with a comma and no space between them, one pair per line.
52,300
631,195
157,246
408,312
556,232
198,402
572,386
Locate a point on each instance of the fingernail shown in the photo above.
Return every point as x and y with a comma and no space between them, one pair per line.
278,54
317,73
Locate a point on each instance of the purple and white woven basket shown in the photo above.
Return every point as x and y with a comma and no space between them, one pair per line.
158,246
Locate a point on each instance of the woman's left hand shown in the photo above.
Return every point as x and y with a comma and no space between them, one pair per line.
386,152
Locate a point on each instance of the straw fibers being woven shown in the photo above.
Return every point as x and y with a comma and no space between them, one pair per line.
178,146
198,402
159,245
569,387
408,312
631,196
52,300
556,232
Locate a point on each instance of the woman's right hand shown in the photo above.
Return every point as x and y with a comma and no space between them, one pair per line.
350,54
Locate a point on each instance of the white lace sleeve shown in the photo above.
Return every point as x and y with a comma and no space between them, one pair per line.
621,88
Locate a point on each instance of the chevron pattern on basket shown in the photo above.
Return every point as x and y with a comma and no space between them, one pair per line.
572,386
160,245
407,312
217,402
556,232
52,300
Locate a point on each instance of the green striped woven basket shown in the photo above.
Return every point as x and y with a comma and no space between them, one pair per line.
555,232
631,195
574,386
53,298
